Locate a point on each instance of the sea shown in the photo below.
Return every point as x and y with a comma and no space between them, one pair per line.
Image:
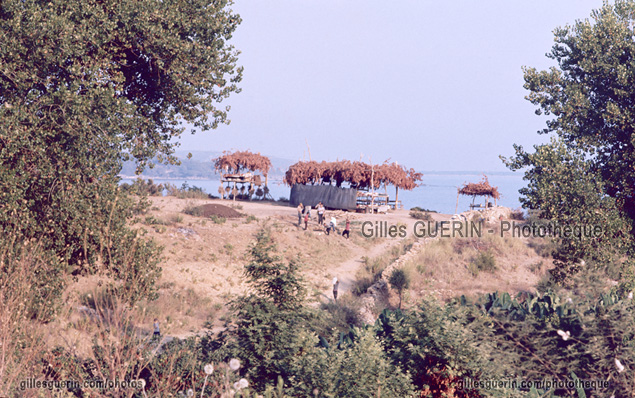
437,190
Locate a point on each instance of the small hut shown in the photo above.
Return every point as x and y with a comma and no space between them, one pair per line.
474,189
237,171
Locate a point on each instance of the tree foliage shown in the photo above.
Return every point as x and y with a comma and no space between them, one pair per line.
585,176
87,85
547,337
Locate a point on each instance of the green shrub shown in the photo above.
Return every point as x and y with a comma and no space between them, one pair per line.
421,209
193,210
176,219
485,261
186,191
517,214
432,345
217,219
399,280
262,330
152,220
357,368
142,187
373,267
419,215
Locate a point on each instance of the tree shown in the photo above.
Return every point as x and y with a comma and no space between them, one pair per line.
87,85
586,175
263,330
400,281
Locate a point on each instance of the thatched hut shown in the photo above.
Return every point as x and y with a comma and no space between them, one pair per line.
239,168
357,174
474,189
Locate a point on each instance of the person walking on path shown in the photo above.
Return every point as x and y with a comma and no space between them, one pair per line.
157,331
336,286
347,229
300,211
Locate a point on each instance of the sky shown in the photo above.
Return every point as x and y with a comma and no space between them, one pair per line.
432,85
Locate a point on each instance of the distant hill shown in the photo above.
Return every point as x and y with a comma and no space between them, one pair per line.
200,166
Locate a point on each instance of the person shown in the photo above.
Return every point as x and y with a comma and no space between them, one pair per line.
157,331
306,220
300,211
308,211
320,212
347,229
332,226
336,285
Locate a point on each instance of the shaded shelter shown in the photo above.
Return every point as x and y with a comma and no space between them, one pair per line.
474,189
239,168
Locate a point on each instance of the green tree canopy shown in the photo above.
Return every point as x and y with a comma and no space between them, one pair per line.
399,280
86,85
586,175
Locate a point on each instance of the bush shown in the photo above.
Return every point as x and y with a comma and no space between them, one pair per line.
193,210
357,368
421,209
152,220
419,215
485,261
547,337
399,280
373,267
217,219
186,191
142,187
432,345
342,315
517,214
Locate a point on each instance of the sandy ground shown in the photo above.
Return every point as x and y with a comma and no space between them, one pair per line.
204,258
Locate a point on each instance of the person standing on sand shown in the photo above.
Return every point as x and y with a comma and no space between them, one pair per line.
347,229
308,211
320,211
306,220
336,286
300,211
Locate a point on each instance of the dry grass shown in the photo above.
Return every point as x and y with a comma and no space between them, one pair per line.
21,335
372,268
449,267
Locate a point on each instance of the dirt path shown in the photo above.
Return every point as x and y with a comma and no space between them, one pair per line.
346,271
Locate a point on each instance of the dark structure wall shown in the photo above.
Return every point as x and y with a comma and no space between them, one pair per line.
332,197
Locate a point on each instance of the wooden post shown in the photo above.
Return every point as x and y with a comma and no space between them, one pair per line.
222,193
458,192
307,148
